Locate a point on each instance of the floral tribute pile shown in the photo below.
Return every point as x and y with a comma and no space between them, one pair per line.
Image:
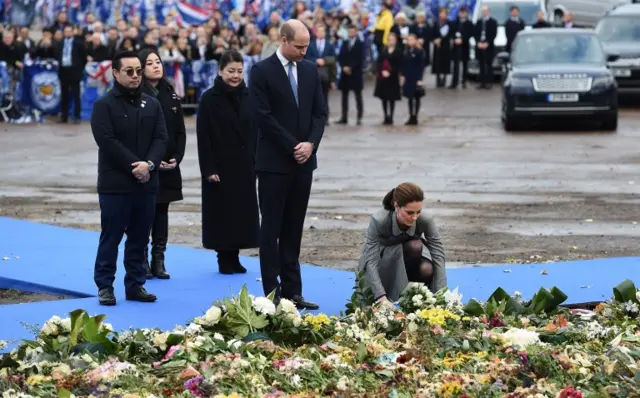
427,345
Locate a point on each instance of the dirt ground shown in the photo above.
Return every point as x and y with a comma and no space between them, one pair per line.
497,197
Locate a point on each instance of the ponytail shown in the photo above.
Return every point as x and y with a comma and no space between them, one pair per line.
401,195
387,202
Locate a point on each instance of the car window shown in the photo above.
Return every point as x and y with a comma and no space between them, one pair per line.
557,49
502,11
619,29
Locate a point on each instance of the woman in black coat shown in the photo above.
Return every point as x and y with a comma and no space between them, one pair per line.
227,138
411,77
388,68
170,177
442,34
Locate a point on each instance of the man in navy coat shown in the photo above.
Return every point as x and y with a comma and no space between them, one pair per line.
322,52
291,114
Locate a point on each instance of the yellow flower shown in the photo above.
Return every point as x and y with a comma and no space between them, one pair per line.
234,395
317,321
437,316
34,380
449,389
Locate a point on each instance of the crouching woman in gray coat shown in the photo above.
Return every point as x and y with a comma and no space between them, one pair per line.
402,245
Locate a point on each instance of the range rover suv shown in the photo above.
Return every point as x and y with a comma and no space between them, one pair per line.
558,73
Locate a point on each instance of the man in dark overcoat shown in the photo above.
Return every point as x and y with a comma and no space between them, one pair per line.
131,134
350,59
463,32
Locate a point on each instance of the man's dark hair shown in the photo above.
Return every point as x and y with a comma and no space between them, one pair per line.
351,26
463,9
230,56
116,63
514,8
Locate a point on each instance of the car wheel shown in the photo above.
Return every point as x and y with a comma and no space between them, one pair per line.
509,123
610,123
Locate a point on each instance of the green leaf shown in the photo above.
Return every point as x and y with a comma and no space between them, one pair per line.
513,307
174,339
90,329
64,393
256,336
499,295
625,291
474,308
559,297
241,317
361,352
92,348
76,325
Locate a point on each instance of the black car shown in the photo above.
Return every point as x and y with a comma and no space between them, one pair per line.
619,32
558,72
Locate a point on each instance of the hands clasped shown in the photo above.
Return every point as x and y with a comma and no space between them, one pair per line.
302,152
141,171
168,165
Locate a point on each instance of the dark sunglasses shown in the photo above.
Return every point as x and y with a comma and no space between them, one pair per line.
131,72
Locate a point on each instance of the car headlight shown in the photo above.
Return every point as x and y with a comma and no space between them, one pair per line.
518,82
603,82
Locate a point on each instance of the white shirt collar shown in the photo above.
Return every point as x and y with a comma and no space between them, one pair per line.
283,60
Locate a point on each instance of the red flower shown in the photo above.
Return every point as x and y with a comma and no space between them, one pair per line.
496,322
570,392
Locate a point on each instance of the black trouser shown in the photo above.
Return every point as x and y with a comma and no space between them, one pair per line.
345,104
325,92
414,106
119,214
283,205
456,70
485,61
70,89
160,231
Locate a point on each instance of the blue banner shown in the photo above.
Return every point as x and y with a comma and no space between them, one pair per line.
41,87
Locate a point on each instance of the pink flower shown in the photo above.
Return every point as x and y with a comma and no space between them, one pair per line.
168,355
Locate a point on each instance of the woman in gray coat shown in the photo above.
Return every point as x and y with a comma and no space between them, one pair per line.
402,245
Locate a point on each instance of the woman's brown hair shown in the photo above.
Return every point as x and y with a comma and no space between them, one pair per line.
403,194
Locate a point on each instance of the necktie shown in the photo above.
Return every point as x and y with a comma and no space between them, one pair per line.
292,81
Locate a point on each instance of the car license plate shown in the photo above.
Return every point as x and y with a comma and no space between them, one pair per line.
622,72
562,97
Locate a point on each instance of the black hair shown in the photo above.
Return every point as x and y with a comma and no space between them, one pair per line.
514,8
230,56
116,62
143,55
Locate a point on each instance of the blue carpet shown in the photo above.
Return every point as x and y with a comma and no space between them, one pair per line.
55,260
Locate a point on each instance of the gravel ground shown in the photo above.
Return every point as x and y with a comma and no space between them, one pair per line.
497,197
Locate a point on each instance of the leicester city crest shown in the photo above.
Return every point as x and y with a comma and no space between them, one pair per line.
45,91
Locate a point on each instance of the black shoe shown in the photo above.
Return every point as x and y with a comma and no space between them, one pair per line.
145,263
106,296
302,304
76,121
157,260
227,262
387,121
464,84
453,87
140,294
238,268
341,121
62,121
359,122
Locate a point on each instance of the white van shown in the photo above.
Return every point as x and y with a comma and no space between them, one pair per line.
501,12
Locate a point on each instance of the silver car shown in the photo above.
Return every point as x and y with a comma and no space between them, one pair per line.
586,13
